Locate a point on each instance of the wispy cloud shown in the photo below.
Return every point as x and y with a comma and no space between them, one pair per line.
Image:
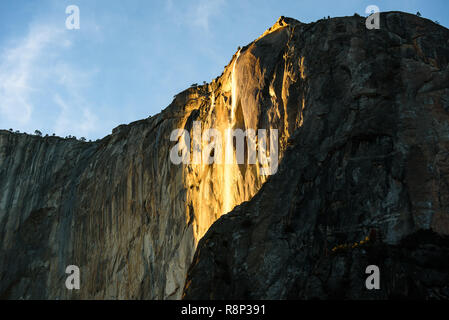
36,82
203,11
197,14
81,121
17,65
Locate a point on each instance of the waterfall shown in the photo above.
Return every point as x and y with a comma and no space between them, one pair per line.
230,164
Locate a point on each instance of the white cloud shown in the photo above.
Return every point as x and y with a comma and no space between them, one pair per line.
80,121
197,15
204,11
34,69
16,72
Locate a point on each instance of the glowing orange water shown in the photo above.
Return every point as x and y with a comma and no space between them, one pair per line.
230,165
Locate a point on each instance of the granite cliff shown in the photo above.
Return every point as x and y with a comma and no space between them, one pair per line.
119,208
364,180
363,146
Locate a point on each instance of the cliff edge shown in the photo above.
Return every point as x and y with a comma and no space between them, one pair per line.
363,182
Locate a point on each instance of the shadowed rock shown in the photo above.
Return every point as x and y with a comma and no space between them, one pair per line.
364,180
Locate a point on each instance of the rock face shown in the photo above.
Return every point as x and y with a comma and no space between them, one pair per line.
119,208
363,149
364,180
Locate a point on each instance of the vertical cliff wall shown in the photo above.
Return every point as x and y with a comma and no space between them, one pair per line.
118,208
363,182
362,120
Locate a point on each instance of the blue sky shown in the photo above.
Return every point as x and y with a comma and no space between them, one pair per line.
129,58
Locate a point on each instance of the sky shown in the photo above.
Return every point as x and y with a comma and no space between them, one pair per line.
129,58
